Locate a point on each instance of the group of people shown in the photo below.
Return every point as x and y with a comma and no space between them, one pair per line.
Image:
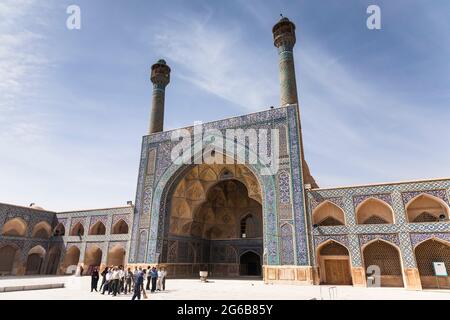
117,280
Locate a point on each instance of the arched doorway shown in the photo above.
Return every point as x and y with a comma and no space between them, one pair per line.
59,231
120,227
328,214
250,264
430,251
212,216
54,254
77,230
9,258
387,258
71,259
42,230
93,258
35,260
374,211
427,208
334,264
116,256
97,229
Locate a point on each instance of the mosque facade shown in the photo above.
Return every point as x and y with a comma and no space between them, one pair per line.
234,219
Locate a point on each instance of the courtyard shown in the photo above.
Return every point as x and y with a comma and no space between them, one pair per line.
78,288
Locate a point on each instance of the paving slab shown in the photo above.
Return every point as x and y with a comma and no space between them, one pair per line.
78,288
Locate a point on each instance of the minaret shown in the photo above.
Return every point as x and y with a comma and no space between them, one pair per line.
160,77
284,40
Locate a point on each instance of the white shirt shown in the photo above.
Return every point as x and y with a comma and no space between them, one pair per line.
115,275
108,276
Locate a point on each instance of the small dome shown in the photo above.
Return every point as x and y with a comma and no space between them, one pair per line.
161,61
284,19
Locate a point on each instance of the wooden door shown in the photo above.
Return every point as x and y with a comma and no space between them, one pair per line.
337,272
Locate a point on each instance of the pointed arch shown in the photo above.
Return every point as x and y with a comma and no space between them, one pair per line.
120,227
374,211
116,255
72,257
208,174
328,214
226,173
250,263
427,252
15,227
250,226
333,259
93,257
59,230
10,259
35,260
77,229
53,257
427,208
387,256
42,230
97,228
287,244
195,191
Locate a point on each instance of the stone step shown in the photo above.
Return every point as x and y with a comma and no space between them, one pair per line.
32,287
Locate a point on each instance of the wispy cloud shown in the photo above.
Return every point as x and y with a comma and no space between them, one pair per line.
23,65
218,60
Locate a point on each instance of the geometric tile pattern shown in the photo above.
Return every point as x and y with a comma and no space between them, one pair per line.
152,189
417,238
287,245
401,233
441,194
361,198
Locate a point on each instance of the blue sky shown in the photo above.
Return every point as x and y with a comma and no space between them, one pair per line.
75,104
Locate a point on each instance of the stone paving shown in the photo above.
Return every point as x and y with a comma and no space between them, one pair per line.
78,288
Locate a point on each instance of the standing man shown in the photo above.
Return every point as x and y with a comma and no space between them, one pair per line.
148,278
103,274
154,276
116,281
138,284
128,280
121,279
108,280
163,280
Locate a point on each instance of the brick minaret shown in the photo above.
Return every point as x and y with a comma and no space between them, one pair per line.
284,40
160,78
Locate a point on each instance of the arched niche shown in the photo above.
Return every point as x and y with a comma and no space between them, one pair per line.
328,214
334,263
120,227
42,230
77,230
374,211
16,227
386,256
427,208
97,229
35,260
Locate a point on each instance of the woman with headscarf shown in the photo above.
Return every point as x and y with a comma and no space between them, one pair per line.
94,279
